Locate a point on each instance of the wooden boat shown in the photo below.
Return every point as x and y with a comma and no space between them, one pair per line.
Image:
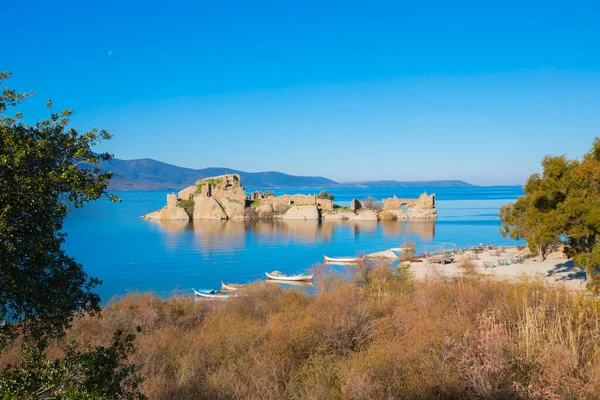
278,276
211,294
343,260
232,287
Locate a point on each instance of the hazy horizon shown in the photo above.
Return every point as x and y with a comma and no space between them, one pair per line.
232,168
389,91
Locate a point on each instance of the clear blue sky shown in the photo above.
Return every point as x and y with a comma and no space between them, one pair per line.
478,91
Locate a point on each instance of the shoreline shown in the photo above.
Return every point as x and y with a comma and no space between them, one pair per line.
555,269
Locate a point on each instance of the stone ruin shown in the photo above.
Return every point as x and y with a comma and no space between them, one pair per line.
223,197
420,208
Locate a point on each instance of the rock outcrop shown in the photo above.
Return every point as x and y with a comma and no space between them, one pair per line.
339,216
187,193
302,212
169,213
365,215
207,208
233,209
223,197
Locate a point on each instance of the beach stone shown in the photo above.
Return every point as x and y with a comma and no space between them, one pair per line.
207,208
302,212
168,213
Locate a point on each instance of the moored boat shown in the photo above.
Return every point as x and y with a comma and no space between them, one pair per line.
278,276
290,283
343,260
211,293
232,287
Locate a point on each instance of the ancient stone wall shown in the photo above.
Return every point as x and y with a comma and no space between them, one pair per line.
325,204
304,199
425,202
283,200
394,203
421,208
356,205
257,196
171,200
224,187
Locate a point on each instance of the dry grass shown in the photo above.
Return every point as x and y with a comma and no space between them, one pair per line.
388,336
387,216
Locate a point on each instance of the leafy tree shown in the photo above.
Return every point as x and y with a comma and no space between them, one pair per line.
45,169
561,206
325,195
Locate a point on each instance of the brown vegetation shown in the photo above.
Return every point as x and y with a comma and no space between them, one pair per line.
387,337
371,203
467,265
387,216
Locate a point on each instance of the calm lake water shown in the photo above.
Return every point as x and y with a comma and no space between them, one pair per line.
131,254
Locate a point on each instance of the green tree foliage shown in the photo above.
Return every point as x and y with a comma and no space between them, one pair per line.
98,373
561,206
325,195
45,169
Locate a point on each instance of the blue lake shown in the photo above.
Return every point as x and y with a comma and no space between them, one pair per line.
131,254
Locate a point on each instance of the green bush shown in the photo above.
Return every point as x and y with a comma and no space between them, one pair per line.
187,205
325,195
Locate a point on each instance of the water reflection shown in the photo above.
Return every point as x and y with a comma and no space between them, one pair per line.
211,233
424,230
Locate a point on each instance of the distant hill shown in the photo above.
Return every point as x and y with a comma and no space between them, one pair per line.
148,174
409,184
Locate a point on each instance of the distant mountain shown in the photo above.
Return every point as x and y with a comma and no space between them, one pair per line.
408,184
148,174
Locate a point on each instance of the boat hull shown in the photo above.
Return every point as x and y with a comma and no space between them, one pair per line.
209,294
343,260
232,287
293,278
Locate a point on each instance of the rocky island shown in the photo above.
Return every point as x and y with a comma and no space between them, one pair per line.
223,197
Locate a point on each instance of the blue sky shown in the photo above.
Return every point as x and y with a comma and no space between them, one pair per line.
348,90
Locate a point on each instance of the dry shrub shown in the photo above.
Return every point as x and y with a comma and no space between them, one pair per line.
389,337
467,265
387,216
485,360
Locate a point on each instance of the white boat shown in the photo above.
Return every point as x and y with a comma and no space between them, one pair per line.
343,260
211,293
278,276
290,283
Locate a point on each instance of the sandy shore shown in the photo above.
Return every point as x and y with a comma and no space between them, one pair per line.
556,268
